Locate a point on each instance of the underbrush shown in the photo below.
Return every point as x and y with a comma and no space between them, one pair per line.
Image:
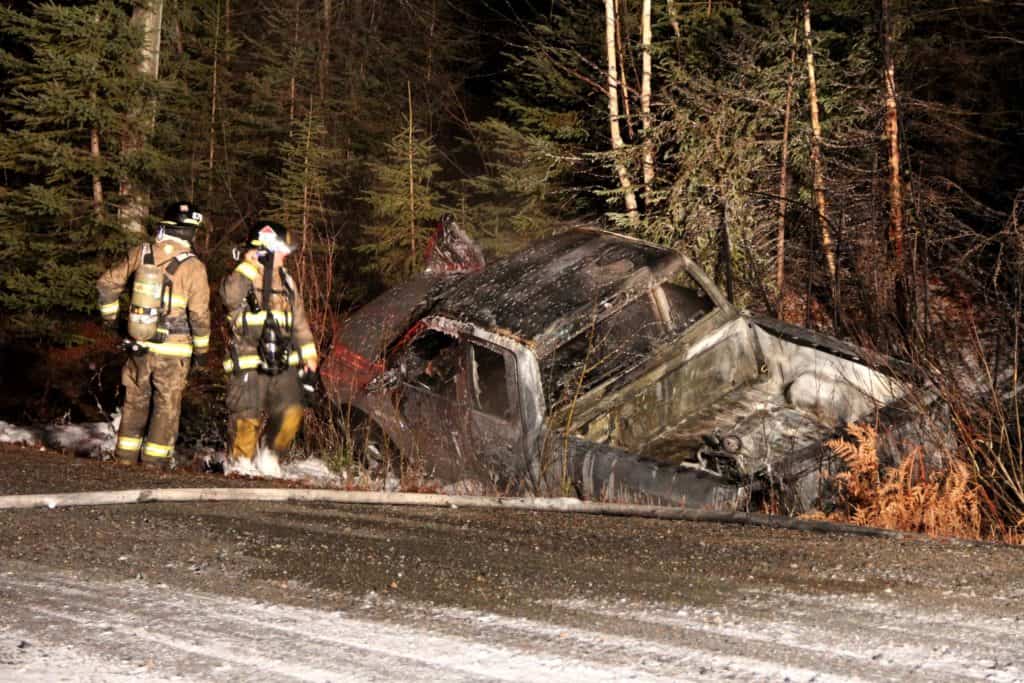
953,499
333,435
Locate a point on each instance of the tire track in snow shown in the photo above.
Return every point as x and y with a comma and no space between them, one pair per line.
201,624
334,640
935,650
421,642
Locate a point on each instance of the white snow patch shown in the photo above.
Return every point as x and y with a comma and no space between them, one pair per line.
267,464
98,439
90,438
311,469
241,467
23,658
19,435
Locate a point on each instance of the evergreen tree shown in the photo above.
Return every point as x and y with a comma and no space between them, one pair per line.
405,202
516,196
298,199
719,131
73,77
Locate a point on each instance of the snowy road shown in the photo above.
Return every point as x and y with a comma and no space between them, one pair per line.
57,627
315,592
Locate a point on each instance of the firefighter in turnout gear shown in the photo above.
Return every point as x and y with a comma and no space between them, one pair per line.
271,349
168,328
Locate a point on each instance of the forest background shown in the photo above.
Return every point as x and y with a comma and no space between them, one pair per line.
851,166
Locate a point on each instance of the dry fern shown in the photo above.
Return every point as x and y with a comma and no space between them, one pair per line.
944,502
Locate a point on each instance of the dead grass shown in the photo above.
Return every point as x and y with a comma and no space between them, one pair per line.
946,501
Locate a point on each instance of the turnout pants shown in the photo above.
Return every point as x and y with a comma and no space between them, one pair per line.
253,394
153,386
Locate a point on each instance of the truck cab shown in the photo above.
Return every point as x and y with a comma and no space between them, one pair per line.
601,365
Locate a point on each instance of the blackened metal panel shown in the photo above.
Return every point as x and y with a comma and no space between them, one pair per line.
603,472
373,328
535,293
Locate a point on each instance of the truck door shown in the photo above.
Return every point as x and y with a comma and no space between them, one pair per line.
495,415
427,402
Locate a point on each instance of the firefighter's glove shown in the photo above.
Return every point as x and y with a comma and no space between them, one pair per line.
310,386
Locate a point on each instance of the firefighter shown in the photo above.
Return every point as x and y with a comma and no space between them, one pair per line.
271,357
168,330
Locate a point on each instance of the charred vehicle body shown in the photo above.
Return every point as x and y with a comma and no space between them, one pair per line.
600,365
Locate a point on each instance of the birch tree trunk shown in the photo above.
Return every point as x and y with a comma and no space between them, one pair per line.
623,79
147,17
892,132
613,112
780,243
816,162
94,154
645,98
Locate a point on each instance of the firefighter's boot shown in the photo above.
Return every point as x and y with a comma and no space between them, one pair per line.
281,431
243,436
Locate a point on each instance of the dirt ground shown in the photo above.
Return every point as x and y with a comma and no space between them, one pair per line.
474,594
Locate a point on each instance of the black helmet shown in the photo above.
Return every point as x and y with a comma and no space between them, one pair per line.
181,220
270,236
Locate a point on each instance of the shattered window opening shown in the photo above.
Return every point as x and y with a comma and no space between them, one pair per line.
613,346
490,383
432,362
687,301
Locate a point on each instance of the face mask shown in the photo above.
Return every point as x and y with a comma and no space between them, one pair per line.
271,242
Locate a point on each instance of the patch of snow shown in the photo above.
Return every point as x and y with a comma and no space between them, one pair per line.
242,467
26,660
311,469
91,438
267,464
98,439
19,435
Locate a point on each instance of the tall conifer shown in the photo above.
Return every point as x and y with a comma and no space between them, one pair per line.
405,201
73,77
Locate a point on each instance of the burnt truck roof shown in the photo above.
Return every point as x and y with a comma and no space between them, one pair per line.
541,295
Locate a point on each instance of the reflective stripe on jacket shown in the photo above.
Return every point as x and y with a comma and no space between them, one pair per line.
252,361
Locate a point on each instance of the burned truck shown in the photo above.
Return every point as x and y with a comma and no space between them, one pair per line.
594,364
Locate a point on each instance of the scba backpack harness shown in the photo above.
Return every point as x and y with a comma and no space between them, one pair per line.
275,350
152,299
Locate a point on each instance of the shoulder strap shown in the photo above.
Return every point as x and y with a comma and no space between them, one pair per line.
288,284
268,284
169,270
147,254
176,262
